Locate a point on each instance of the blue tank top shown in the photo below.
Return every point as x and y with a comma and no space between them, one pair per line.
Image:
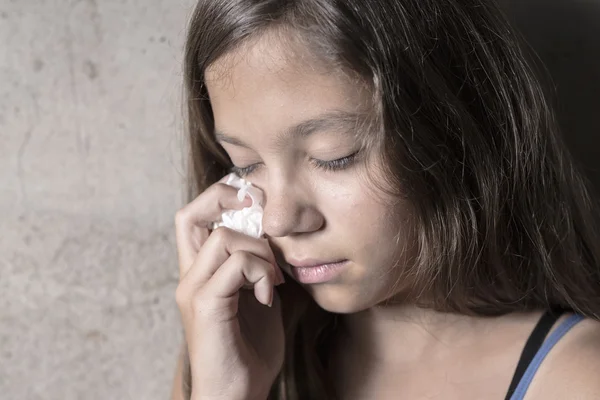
536,349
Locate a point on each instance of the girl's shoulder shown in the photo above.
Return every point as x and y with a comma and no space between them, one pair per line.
571,370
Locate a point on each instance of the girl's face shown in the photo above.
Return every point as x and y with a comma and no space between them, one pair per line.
289,128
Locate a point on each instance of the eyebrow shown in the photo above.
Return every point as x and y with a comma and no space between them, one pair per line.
337,120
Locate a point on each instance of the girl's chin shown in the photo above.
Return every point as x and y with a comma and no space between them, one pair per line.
338,301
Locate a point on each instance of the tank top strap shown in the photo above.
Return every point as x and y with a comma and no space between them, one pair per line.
541,354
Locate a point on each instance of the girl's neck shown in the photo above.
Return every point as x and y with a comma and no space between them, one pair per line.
422,353
405,334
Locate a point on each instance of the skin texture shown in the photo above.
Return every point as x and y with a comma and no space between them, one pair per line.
309,213
258,93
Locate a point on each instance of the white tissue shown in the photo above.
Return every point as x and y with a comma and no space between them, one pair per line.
248,220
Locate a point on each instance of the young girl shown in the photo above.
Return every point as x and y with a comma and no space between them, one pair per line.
436,238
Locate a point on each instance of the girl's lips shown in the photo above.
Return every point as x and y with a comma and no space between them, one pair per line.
310,272
310,262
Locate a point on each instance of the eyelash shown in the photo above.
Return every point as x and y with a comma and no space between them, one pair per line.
336,165
333,165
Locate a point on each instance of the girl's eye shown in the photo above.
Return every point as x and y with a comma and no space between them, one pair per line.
243,171
333,165
336,165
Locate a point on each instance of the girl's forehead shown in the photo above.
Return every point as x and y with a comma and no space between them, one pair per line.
266,55
248,109
273,59
263,87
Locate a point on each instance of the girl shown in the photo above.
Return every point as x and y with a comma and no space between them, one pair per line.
436,238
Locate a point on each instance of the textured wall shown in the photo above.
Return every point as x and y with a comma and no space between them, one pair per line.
90,179
91,176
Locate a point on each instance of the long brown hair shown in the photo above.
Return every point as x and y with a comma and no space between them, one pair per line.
505,220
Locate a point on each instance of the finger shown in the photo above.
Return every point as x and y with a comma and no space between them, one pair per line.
193,221
242,268
219,246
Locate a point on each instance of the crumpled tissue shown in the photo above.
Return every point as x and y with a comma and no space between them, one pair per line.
248,220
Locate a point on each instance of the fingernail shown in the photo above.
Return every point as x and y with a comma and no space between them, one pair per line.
271,300
280,278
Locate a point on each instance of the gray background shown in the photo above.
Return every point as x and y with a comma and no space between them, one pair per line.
91,175
90,180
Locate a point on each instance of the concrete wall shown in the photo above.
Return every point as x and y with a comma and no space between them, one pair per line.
90,179
91,176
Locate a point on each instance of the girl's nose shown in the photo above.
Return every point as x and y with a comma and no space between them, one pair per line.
286,212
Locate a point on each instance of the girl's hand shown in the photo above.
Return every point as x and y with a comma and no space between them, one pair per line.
235,340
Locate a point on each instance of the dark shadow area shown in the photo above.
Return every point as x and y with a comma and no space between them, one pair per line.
565,34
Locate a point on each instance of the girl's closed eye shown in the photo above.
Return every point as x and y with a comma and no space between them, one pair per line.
337,164
330,165
244,171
